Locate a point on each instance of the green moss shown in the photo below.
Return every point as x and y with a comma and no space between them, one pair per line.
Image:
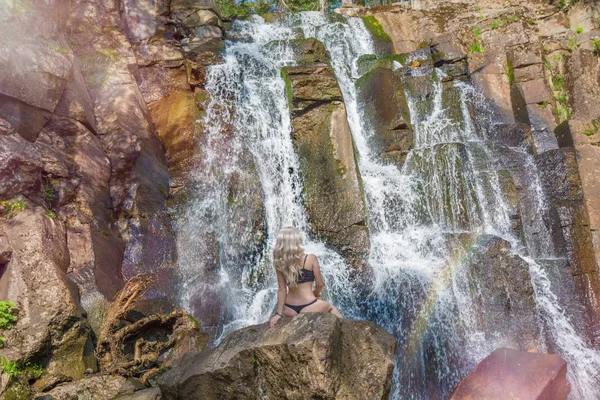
500,22
572,44
375,27
19,390
16,369
477,47
596,43
510,72
194,321
437,56
13,207
49,193
51,214
58,48
563,112
562,106
422,45
558,82
112,54
579,29
588,133
369,62
288,85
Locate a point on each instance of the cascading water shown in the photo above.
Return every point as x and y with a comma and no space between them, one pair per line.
425,220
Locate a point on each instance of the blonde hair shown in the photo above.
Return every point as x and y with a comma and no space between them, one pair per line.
287,253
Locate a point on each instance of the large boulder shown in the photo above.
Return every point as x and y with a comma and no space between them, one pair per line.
512,374
97,387
308,356
332,191
384,105
50,329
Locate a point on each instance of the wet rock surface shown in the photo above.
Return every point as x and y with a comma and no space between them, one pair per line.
502,294
510,373
310,355
332,191
384,103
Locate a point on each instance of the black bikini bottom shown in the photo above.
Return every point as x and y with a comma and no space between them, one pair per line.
299,308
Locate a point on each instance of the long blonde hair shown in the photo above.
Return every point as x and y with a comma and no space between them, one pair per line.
287,253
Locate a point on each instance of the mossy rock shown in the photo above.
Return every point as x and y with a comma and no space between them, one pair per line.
381,93
381,40
451,102
369,62
310,83
332,191
18,390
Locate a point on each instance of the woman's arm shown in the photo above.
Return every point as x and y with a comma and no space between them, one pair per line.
319,285
281,295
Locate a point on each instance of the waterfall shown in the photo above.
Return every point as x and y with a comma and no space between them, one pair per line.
426,220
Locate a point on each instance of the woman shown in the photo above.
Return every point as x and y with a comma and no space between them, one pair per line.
297,271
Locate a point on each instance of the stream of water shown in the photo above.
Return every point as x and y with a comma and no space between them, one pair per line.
426,220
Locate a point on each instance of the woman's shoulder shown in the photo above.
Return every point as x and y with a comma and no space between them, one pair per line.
310,261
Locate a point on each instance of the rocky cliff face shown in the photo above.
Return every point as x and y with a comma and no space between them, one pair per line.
540,66
91,120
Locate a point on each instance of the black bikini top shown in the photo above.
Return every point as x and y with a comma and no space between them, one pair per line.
307,276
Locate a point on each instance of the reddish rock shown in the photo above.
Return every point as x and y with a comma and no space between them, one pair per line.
525,55
174,117
534,91
20,165
50,324
512,374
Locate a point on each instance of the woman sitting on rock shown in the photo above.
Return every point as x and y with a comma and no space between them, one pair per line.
297,271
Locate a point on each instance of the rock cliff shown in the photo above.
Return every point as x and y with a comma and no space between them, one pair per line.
540,65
